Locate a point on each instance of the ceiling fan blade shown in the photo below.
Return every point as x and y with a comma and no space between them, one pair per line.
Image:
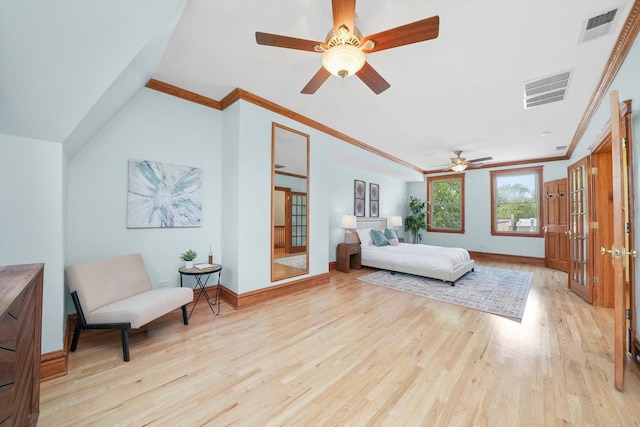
344,14
316,81
474,165
418,31
371,78
284,41
481,159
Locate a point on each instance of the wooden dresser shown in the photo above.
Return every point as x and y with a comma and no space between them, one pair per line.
20,335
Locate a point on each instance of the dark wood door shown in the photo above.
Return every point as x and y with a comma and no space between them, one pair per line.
578,232
556,240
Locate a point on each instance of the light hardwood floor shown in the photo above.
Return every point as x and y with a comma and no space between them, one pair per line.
352,353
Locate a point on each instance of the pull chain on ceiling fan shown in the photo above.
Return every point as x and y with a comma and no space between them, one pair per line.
344,49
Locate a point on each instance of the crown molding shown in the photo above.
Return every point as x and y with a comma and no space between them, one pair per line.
619,53
240,94
625,40
178,92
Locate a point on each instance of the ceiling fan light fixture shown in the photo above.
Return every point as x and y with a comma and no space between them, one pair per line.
343,60
459,167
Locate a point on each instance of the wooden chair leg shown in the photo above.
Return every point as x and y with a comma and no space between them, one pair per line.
125,344
185,318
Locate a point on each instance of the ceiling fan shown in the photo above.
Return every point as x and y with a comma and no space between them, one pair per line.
344,49
458,164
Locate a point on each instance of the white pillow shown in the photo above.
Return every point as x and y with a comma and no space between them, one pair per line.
365,236
393,242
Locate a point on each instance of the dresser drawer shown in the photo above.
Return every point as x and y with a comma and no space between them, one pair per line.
354,249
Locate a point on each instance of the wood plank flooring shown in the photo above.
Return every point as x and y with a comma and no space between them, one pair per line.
353,353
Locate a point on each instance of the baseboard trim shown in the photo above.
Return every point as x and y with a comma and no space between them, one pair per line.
53,365
56,363
261,295
519,259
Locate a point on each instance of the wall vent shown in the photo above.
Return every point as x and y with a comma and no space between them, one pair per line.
546,90
598,26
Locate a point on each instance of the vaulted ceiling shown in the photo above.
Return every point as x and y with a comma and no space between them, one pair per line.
67,65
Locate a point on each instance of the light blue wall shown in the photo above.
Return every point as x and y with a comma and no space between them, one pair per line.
234,150
151,126
295,184
31,221
477,236
332,170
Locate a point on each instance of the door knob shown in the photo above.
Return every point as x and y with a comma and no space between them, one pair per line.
619,253
569,233
615,253
545,229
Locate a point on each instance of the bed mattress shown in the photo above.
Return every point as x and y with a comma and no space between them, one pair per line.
438,262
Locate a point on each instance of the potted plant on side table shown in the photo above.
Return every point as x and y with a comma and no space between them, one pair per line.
188,258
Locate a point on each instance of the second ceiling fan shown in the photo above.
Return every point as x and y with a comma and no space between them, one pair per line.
344,49
458,164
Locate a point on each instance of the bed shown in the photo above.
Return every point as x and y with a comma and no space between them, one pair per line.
438,262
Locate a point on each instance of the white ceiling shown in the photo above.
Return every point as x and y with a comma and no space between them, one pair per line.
461,91
67,66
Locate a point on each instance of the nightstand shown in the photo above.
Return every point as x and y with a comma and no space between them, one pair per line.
348,256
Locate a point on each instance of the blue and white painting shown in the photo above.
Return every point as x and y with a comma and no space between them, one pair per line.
163,195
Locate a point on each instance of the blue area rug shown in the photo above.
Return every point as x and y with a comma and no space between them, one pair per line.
494,290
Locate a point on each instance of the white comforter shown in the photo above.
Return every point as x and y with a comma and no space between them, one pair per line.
431,260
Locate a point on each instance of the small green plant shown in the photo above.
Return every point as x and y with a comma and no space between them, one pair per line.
417,220
189,255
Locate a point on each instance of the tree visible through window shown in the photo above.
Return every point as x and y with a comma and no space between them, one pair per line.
516,201
446,203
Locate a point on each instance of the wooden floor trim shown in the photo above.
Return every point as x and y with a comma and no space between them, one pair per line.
261,295
516,259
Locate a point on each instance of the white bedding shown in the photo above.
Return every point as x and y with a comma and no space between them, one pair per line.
432,261
438,262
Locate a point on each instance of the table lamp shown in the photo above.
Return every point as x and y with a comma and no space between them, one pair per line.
348,222
395,222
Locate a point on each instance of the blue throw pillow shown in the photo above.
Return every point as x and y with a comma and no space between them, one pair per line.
379,238
390,234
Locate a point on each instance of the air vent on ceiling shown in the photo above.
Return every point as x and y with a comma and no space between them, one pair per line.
546,90
597,26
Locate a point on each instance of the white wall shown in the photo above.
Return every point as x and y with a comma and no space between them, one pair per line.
151,126
31,220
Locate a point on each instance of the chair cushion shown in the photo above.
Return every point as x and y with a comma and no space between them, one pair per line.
142,308
103,282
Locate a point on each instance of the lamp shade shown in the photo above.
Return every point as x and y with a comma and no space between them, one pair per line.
348,221
343,60
459,168
395,221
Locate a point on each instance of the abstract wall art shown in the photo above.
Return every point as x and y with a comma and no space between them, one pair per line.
162,195
359,194
374,200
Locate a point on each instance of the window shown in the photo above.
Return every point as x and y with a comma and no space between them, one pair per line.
445,196
516,202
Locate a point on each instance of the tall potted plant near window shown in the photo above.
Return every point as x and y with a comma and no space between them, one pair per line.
416,221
